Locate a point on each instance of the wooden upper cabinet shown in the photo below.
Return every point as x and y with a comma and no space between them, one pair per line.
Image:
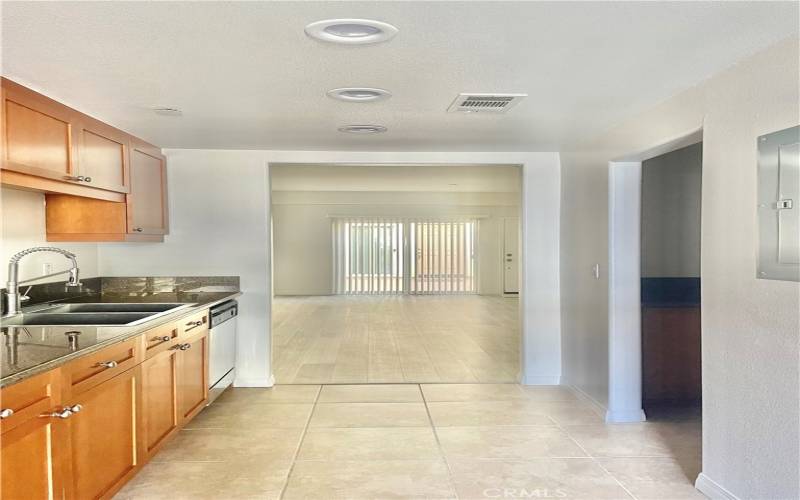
104,154
53,148
37,134
147,202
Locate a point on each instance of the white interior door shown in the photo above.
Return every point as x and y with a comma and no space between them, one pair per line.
511,255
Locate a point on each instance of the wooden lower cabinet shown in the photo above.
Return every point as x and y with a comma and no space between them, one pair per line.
83,430
192,378
159,399
33,446
32,459
104,454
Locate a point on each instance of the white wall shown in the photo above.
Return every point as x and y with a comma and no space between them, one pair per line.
671,196
219,208
220,213
751,329
23,226
302,230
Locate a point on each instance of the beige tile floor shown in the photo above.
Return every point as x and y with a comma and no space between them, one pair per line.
432,441
345,339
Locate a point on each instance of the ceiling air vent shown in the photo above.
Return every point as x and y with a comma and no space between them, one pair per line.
485,103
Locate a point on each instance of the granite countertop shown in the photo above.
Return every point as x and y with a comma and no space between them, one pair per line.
30,350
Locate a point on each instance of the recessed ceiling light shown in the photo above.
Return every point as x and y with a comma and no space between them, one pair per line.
359,94
363,129
167,111
351,31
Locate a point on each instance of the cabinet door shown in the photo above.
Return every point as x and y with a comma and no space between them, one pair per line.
147,200
33,447
159,399
103,436
32,458
37,133
193,376
103,154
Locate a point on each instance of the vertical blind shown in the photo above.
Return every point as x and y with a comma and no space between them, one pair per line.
404,255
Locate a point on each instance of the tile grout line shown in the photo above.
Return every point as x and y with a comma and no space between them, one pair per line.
596,461
438,443
300,444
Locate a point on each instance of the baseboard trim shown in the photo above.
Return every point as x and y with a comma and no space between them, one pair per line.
625,416
712,489
254,382
584,396
541,380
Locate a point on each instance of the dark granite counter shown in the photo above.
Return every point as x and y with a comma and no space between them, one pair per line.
30,350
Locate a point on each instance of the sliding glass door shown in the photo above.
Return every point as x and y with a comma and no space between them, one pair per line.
404,256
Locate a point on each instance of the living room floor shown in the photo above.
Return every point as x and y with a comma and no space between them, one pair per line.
383,441
356,339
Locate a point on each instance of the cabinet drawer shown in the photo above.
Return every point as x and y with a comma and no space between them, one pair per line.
85,373
159,339
29,399
193,324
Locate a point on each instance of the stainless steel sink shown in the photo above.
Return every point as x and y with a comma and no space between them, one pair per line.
116,307
78,319
93,314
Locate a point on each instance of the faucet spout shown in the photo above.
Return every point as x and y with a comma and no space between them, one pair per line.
13,296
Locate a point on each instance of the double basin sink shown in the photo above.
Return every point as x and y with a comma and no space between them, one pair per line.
93,314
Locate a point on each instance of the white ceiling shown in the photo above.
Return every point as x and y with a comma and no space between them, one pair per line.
417,178
246,76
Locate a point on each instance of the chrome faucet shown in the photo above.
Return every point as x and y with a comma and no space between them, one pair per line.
12,289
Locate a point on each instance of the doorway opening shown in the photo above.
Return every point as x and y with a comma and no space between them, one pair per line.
654,292
670,289
396,273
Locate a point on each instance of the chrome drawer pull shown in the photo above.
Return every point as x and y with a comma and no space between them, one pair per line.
65,413
185,347
5,413
78,178
75,408
194,323
162,339
107,364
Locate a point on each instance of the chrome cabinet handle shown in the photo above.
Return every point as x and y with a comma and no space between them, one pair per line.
5,413
162,339
181,347
74,408
107,364
78,178
186,347
65,413
138,229
194,323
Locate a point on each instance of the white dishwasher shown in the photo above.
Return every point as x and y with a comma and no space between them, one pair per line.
222,348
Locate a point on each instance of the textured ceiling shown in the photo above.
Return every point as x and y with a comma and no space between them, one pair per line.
246,76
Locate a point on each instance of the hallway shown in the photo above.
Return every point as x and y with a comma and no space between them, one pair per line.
419,441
